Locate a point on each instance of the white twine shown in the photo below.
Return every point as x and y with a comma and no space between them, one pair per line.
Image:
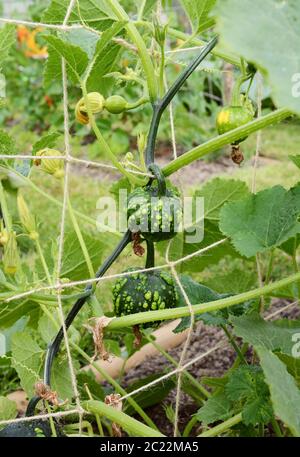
112,276
62,227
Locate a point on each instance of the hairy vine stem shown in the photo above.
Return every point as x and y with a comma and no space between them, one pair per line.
227,138
175,313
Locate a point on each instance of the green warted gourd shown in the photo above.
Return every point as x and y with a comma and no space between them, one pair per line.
144,291
155,217
231,117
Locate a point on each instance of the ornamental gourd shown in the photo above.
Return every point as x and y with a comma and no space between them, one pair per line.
144,291
33,428
231,117
155,217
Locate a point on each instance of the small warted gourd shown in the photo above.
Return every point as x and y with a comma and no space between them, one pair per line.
144,291
32,428
231,117
155,217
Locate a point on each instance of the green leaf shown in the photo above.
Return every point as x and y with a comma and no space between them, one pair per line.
47,328
95,13
261,221
295,159
8,409
219,191
216,408
7,39
12,311
84,39
258,332
292,364
182,246
275,51
247,384
235,281
76,60
61,378
105,57
46,141
198,12
88,378
7,146
197,293
285,394
112,347
27,360
74,265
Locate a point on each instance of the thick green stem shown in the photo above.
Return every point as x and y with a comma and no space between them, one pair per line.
149,316
276,428
225,139
142,49
221,428
128,423
189,427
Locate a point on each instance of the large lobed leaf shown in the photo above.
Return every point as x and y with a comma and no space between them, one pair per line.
258,332
219,191
27,360
8,409
261,221
7,39
94,13
266,33
198,12
247,384
285,394
76,59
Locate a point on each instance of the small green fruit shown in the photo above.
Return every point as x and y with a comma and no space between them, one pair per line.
116,104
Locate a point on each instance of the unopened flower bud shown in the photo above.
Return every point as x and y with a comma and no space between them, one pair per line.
160,31
3,236
27,219
95,104
11,258
141,142
128,159
53,167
